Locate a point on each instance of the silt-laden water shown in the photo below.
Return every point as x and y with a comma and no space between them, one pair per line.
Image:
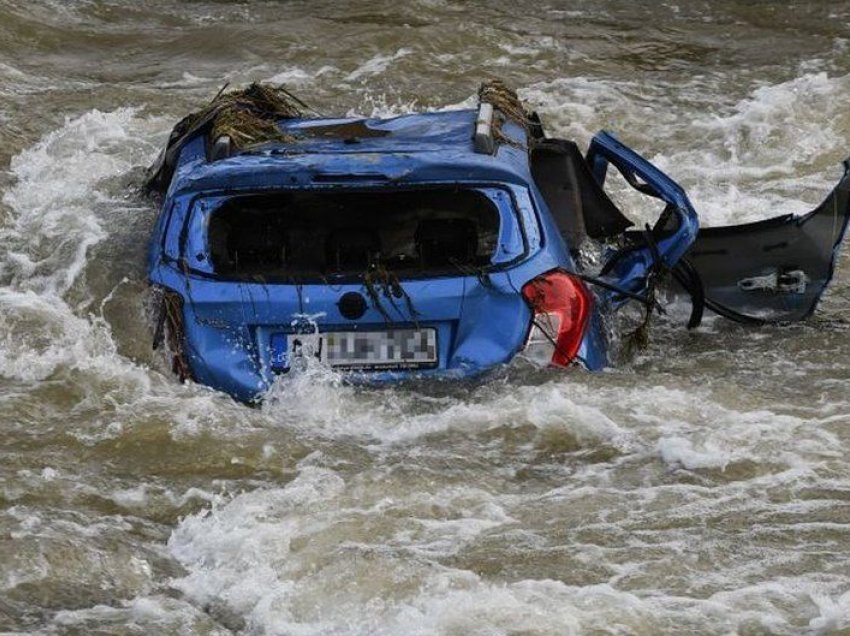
701,488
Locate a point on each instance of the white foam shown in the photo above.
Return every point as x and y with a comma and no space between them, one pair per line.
770,155
55,195
292,77
131,497
679,451
379,105
147,614
316,401
49,474
10,72
376,65
188,79
834,613
62,203
233,554
776,151
41,333
285,561
275,556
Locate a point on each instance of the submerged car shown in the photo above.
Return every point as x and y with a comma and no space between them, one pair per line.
437,244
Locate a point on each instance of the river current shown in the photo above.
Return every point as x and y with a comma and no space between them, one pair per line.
702,487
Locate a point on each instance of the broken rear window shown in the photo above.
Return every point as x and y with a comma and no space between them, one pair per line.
310,234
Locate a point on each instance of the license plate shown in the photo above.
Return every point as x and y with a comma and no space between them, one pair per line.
389,349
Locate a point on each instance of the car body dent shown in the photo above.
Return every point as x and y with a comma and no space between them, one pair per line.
480,317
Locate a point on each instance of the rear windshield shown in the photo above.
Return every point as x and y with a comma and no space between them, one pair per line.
316,234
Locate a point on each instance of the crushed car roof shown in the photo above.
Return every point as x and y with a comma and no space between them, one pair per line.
409,148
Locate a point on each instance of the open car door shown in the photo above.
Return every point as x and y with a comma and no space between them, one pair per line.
769,271
774,270
655,249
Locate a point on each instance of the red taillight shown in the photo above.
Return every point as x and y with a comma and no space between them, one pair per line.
560,307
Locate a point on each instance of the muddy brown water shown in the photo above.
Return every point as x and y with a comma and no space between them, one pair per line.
701,488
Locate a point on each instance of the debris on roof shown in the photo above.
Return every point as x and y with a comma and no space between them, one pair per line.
246,117
249,116
507,102
239,120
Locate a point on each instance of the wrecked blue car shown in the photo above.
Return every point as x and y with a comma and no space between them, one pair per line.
439,244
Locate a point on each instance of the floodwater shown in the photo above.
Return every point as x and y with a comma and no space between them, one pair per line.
701,488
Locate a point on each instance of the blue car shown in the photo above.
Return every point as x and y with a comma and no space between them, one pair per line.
439,244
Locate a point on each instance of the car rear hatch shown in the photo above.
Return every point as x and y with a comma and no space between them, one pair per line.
386,281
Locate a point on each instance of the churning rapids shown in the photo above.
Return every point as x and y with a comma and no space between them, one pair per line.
703,487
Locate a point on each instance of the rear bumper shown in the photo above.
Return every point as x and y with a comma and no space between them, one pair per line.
231,360
482,324
240,370
243,372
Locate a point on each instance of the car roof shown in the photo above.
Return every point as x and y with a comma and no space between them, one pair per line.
432,146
